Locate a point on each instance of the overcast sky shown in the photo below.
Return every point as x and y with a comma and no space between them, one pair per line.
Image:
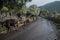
39,2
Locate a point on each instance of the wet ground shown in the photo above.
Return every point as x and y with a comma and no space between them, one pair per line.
41,29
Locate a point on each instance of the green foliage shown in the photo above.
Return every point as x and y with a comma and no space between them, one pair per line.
34,10
45,13
23,9
55,17
4,9
55,14
13,3
14,6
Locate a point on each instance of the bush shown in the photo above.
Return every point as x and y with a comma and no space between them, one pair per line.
2,29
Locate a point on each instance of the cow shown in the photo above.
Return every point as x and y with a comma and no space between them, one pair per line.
11,22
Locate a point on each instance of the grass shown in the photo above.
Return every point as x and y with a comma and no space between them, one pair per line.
2,29
58,26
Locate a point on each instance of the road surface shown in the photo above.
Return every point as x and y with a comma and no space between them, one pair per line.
41,29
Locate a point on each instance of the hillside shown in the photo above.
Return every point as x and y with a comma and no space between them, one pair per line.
53,6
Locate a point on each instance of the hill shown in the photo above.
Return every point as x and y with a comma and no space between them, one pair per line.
53,6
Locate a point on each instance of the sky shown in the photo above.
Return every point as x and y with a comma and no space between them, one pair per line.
39,2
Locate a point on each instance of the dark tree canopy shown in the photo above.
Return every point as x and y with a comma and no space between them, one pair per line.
13,3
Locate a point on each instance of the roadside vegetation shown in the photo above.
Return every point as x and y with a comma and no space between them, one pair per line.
54,16
16,9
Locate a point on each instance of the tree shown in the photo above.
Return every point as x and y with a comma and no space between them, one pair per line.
45,13
34,10
55,14
13,3
17,5
22,5
5,10
23,10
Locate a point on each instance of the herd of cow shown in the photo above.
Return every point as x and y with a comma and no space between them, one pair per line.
13,23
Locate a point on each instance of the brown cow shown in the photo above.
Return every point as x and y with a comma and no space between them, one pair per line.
11,22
